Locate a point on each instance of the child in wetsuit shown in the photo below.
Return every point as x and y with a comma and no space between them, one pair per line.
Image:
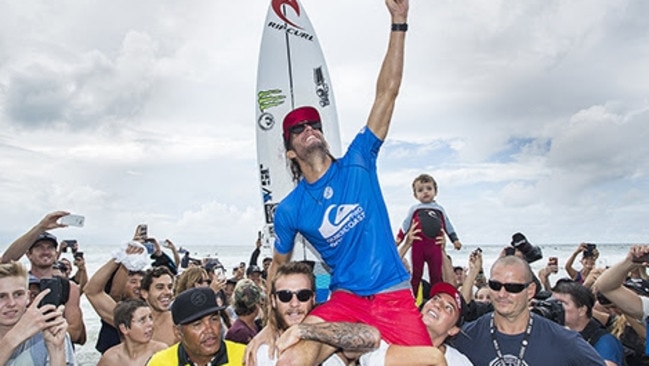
433,221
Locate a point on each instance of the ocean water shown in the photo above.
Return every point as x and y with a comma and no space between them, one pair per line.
231,255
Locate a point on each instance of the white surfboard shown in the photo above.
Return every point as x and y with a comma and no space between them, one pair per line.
292,73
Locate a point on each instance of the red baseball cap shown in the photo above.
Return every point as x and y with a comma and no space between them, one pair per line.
460,304
297,116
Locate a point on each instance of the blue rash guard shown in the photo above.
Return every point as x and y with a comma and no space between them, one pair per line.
343,215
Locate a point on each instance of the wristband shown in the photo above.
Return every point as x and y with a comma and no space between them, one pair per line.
399,27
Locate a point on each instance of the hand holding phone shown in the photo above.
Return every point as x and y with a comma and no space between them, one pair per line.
553,263
220,274
72,220
641,259
589,251
54,297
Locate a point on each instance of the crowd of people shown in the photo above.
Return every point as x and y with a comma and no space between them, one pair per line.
157,308
177,312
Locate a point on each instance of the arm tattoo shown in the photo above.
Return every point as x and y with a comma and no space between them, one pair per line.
354,337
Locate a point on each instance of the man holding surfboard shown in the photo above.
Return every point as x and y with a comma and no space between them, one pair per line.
338,207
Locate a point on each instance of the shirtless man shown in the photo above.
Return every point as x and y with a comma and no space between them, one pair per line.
104,304
157,290
135,323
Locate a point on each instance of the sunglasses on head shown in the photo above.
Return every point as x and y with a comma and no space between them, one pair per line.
512,288
297,129
287,296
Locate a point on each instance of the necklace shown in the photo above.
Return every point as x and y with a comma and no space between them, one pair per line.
524,343
327,191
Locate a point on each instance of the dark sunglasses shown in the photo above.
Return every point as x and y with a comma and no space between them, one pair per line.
208,282
287,296
297,129
512,288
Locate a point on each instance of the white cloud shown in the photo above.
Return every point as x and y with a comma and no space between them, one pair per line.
531,115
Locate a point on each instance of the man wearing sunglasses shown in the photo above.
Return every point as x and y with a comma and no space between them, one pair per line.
512,334
291,300
338,207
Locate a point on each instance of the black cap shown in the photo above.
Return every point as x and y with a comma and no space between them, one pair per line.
212,263
45,236
253,269
194,304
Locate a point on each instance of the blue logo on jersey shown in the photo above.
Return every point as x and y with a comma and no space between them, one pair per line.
338,220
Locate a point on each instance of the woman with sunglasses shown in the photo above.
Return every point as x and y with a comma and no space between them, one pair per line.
512,334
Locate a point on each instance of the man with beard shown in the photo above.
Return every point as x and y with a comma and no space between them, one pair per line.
291,300
104,304
157,290
198,326
337,205
40,248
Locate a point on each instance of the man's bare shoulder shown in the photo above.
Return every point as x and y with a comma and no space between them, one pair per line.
155,346
113,356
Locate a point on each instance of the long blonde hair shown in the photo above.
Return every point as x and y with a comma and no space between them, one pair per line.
188,278
617,328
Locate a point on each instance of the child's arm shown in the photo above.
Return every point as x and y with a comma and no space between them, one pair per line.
450,230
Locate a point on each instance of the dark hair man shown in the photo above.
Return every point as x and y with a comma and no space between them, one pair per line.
338,207
158,290
133,319
125,287
578,302
292,297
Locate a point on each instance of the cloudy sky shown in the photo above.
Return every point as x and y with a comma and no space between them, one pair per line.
533,116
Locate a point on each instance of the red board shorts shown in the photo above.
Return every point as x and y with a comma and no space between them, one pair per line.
394,314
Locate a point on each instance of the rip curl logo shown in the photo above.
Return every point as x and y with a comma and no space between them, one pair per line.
338,220
277,8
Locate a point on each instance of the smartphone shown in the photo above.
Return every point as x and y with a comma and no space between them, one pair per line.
510,251
72,220
68,244
141,232
553,261
219,273
54,297
150,248
78,255
588,252
642,259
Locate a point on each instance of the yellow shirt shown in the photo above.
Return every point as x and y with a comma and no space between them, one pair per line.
170,356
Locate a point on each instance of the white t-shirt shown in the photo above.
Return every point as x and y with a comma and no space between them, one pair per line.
454,357
377,357
264,360
645,307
